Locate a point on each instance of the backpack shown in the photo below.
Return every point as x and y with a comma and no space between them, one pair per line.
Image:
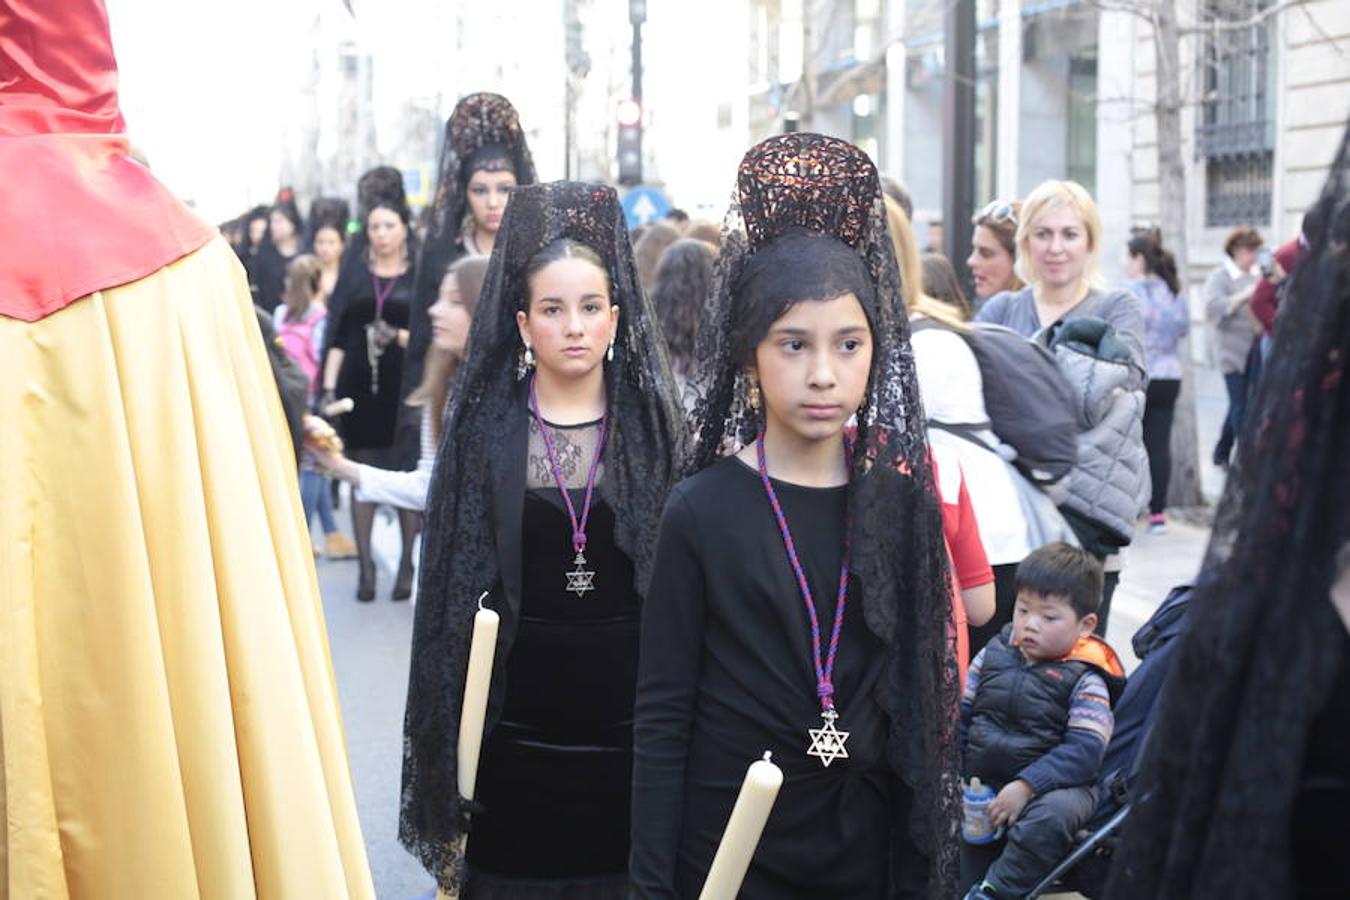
1027,398
297,336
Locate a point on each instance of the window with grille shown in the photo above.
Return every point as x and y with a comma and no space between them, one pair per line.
1235,131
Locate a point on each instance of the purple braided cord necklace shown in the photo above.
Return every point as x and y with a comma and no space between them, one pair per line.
827,742
580,579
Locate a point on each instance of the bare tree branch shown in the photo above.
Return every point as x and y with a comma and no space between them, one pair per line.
1137,8
1216,25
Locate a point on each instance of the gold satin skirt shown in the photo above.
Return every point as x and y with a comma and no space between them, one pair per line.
169,723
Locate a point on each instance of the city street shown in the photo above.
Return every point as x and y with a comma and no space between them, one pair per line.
370,644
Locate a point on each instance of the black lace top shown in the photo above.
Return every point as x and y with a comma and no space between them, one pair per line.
557,768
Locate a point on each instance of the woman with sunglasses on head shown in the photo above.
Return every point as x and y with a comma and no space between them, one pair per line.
1059,242
993,251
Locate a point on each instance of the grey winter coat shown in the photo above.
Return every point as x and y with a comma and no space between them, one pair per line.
1109,486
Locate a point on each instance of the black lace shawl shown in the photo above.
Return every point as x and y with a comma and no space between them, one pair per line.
459,556
483,132
821,185
1215,796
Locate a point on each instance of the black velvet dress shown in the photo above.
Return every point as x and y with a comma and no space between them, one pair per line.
556,772
371,424
727,674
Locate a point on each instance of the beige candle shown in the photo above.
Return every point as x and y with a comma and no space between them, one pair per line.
744,828
476,684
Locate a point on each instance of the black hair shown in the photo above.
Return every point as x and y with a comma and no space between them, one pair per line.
562,248
1058,570
678,216
329,212
488,158
1157,261
288,209
683,282
794,267
1314,223
394,206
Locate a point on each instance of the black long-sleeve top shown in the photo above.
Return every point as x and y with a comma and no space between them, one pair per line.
725,673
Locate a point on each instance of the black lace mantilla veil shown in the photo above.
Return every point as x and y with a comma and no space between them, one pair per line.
483,132
1215,797
822,185
459,553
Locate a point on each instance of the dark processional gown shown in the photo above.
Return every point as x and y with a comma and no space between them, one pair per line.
727,674
556,773
372,426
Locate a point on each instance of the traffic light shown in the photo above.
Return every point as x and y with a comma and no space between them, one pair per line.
629,148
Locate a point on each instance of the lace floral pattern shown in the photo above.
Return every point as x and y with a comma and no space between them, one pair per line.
574,446
459,559
823,185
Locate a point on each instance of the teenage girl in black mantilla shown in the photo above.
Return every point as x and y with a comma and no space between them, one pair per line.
800,596
557,455
484,157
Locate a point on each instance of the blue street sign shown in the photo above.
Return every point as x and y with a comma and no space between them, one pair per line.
644,204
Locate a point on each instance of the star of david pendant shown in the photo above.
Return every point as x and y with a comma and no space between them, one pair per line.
827,742
581,579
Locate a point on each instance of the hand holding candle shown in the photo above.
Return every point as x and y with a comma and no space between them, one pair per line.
744,828
473,713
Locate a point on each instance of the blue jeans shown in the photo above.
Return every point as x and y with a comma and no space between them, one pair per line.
315,497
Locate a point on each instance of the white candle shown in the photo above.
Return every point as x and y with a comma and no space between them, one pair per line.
476,685
744,828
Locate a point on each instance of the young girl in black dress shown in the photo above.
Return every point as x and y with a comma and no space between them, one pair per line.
558,452
799,601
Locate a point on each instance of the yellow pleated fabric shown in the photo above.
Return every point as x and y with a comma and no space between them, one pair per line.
169,723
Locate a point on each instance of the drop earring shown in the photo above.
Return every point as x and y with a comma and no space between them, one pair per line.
754,395
609,354
524,362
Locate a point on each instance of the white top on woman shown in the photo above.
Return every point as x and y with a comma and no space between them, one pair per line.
953,393
407,490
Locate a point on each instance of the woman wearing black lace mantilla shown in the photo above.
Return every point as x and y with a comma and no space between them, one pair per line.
792,525
484,157
557,456
1245,780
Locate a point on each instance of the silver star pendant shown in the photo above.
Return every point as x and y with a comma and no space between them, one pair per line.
580,580
827,742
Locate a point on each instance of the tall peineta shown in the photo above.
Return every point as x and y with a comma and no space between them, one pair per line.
817,184
807,181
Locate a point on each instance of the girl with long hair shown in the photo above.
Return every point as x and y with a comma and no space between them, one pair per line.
451,317
800,596
281,245
558,451
1153,279
300,323
952,388
683,279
